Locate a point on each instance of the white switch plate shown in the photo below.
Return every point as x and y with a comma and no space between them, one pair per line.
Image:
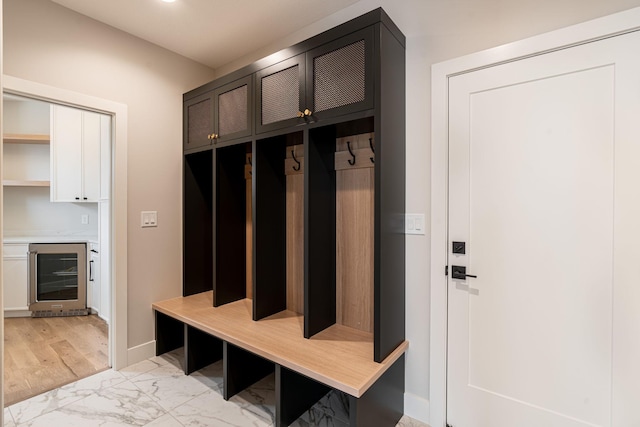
148,219
84,219
414,224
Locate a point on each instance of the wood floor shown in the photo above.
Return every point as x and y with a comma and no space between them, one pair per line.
45,353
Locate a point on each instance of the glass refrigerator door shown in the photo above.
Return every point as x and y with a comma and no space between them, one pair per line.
57,277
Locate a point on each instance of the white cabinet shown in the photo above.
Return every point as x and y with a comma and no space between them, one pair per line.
94,291
105,157
14,275
76,138
105,262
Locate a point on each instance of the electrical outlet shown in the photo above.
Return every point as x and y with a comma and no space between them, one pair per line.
84,219
148,219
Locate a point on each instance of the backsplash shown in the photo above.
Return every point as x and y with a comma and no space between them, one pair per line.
28,212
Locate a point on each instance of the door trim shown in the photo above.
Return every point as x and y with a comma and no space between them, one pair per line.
118,323
590,31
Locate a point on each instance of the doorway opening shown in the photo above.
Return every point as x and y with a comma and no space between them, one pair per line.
57,176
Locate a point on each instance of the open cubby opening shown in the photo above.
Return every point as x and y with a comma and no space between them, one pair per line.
230,282
278,165
198,223
339,218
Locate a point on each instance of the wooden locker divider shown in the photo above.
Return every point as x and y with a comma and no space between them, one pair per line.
198,224
230,220
354,164
294,171
248,226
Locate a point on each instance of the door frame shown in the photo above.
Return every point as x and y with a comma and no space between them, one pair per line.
608,26
118,208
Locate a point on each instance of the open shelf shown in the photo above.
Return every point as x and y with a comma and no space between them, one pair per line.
11,138
25,183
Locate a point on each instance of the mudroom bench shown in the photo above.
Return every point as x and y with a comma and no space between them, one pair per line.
305,369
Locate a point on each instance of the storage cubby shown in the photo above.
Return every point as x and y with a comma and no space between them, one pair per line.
230,219
339,213
198,223
294,228
278,233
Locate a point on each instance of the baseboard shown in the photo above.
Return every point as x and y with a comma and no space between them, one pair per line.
416,407
141,352
17,313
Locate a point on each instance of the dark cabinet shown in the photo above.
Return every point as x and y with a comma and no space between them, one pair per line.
281,96
333,79
294,183
232,108
198,121
294,192
218,116
340,76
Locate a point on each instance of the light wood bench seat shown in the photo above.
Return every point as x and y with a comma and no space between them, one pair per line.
339,357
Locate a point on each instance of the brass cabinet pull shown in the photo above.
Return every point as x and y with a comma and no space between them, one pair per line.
300,114
307,112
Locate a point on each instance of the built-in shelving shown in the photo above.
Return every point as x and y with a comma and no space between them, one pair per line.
25,138
294,251
25,183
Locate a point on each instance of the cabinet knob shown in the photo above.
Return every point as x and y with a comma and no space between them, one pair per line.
209,136
300,114
307,112
215,136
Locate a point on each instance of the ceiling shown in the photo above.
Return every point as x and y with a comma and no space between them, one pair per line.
212,32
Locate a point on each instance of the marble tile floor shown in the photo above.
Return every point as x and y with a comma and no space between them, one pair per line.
156,393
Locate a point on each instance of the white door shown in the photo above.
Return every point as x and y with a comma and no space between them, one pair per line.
544,189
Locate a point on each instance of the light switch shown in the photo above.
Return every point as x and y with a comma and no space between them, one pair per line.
148,219
414,224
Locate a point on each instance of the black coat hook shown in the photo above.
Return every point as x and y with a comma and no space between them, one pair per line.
295,168
352,161
372,150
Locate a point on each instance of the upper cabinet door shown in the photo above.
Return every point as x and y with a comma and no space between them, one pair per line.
105,157
91,136
280,97
66,154
340,76
76,140
198,121
233,110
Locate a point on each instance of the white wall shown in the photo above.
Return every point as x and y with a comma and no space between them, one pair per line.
25,116
28,212
438,30
46,43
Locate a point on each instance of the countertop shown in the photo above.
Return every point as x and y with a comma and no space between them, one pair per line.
51,239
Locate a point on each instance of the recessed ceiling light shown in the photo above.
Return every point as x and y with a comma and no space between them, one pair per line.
168,1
